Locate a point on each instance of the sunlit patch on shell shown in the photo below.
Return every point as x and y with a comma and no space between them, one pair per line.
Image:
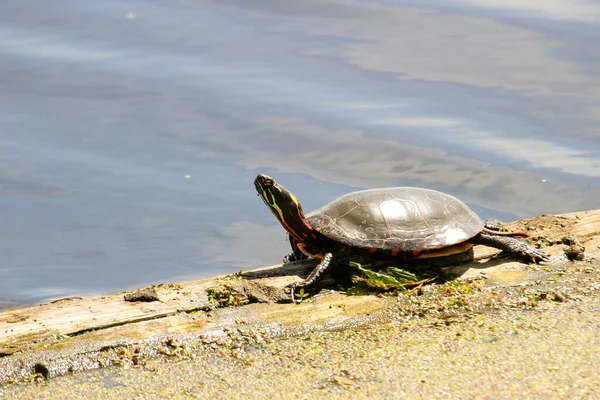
394,210
455,235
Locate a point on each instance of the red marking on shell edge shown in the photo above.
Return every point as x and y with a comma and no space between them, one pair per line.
416,253
372,250
395,252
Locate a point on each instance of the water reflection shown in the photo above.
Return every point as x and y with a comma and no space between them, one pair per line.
578,10
357,160
131,131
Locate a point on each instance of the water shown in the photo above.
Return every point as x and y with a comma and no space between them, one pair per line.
131,131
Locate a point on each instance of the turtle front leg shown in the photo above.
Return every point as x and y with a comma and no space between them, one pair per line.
315,274
296,254
510,245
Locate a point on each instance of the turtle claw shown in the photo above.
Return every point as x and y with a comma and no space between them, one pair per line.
295,255
293,287
536,255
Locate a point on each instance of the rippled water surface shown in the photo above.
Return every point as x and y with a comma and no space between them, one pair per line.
131,131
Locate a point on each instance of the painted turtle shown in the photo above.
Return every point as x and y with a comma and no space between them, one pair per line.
391,224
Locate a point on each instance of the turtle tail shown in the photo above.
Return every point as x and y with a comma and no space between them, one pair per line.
510,233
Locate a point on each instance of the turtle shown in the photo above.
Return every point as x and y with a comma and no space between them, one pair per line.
385,224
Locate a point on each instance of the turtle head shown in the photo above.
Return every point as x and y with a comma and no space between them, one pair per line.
283,205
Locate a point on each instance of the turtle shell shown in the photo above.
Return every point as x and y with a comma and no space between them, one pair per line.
404,218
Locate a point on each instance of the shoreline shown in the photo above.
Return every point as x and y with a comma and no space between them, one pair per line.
81,334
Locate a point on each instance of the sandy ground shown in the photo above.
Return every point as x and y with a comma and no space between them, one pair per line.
461,340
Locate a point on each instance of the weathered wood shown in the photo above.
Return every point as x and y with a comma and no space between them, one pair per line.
74,316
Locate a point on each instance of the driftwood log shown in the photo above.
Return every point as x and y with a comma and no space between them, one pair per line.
109,317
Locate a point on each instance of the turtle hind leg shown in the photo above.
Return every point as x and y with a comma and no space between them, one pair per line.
510,245
315,274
